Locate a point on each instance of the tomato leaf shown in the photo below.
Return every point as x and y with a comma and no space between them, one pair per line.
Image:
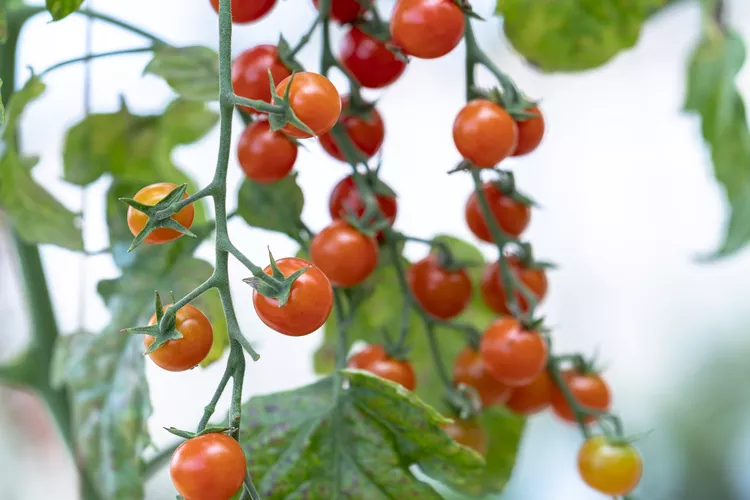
192,72
61,8
352,433
273,206
571,35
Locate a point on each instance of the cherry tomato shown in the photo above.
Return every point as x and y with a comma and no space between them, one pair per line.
493,293
427,28
511,216
366,134
250,73
469,369
369,61
310,301
314,100
611,468
484,133
530,132
151,195
513,355
589,389
344,254
344,11
247,11
264,155
468,433
208,467
185,353
441,293
375,360
345,197
533,397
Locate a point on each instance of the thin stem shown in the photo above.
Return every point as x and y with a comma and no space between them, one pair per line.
435,351
342,344
305,39
202,288
475,55
210,408
235,408
578,412
257,271
124,25
91,57
250,489
202,193
256,104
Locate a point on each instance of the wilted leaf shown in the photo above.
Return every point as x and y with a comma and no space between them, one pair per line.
61,8
275,206
192,72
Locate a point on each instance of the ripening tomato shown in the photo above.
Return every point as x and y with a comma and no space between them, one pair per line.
310,301
511,215
369,61
533,397
375,360
469,369
467,433
344,254
493,293
345,198
513,355
151,195
530,132
264,155
314,100
484,133
250,73
427,28
247,11
344,11
208,467
614,469
366,133
441,293
589,389
185,353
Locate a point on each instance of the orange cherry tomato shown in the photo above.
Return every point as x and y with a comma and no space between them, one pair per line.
366,134
493,293
314,100
427,28
151,195
484,133
530,132
469,369
510,215
250,73
468,433
375,360
614,469
344,254
264,155
533,397
368,60
513,355
208,467
441,293
589,390
185,353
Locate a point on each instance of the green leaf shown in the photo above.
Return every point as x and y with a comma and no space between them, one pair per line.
357,436
61,8
273,206
573,35
192,72
3,30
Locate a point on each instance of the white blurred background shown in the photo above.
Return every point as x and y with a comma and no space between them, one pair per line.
628,199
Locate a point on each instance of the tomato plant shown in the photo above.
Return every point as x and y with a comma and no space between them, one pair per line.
376,360
610,468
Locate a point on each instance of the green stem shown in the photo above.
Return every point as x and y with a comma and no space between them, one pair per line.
90,57
342,343
256,104
210,408
124,25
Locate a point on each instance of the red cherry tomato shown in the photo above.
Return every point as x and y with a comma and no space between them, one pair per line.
366,134
493,293
369,61
345,198
310,301
484,133
247,11
427,28
375,360
614,469
513,355
185,353
344,254
250,73
151,195
208,467
344,11
511,216
533,397
468,433
264,155
441,293
314,100
530,132
469,369
588,389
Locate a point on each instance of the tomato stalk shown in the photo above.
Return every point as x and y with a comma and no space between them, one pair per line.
91,57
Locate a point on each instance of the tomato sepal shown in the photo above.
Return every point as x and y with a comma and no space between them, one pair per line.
208,430
277,121
276,286
161,336
286,55
466,8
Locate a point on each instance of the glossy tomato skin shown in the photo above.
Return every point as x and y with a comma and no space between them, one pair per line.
513,355
310,301
530,132
427,28
610,468
375,360
250,73
367,134
344,11
369,60
484,133
511,216
441,293
468,433
314,100
208,467
533,397
590,390
345,255
264,155
345,197
185,353
469,369
247,11
493,292
151,195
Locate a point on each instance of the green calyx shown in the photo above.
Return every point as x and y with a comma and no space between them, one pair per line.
280,119
162,331
509,99
274,286
463,401
208,430
506,183
286,55
466,8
